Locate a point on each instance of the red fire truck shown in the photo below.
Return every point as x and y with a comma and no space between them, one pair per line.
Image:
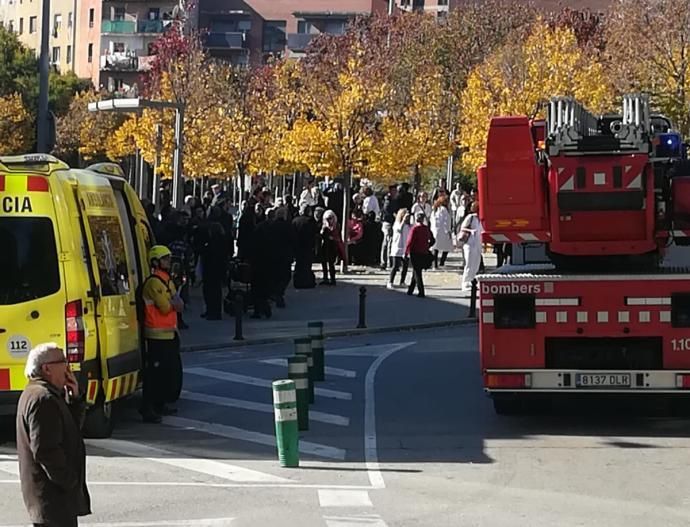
606,196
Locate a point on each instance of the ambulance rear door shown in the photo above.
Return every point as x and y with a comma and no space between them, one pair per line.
118,331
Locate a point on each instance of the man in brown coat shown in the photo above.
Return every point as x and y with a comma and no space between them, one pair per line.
50,448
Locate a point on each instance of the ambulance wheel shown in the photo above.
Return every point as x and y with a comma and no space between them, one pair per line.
507,405
98,423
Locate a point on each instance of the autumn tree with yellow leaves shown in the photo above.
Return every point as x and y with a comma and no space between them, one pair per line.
648,43
16,126
523,74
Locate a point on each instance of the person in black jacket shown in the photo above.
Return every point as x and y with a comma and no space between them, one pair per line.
306,230
214,260
283,243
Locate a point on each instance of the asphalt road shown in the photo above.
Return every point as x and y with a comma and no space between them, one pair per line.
401,435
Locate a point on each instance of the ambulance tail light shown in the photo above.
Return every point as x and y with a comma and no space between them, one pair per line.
74,332
508,380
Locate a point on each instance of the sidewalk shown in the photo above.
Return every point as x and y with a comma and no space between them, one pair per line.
338,308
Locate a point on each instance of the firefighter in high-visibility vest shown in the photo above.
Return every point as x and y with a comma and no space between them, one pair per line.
163,365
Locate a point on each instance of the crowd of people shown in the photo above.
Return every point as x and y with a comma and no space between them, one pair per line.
258,248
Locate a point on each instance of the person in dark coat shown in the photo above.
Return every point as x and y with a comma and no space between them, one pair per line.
283,243
405,197
50,447
262,266
245,234
214,266
306,230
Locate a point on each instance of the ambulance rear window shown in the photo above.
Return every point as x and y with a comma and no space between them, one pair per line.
28,260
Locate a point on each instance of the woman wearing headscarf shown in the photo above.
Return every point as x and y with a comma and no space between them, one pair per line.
471,236
441,229
401,231
331,246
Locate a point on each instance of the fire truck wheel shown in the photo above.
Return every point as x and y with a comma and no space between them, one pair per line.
507,404
98,423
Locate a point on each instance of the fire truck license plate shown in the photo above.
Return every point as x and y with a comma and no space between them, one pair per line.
602,380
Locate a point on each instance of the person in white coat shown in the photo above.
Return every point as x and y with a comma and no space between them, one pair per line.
401,231
441,229
422,207
471,235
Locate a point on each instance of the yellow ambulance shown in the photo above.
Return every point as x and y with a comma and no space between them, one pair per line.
73,246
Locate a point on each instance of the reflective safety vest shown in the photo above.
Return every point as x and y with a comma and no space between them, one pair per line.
160,318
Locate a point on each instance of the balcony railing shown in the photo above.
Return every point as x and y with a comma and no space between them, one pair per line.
299,41
127,61
150,26
229,40
118,26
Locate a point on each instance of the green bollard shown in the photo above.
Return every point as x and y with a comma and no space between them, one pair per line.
303,347
298,371
317,350
285,410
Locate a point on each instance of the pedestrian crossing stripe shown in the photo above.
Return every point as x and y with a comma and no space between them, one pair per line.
118,387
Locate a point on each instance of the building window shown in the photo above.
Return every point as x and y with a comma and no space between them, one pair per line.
304,27
118,47
32,24
154,13
57,22
118,13
91,17
334,27
56,55
69,55
10,26
70,20
274,39
21,26
442,2
90,53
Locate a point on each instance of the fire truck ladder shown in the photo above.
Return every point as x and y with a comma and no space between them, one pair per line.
567,123
573,130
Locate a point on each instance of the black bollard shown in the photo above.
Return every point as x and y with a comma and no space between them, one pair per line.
473,300
239,308
362,307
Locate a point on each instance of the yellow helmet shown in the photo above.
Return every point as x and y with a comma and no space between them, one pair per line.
157,252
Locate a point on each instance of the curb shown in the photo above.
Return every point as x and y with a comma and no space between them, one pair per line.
330,334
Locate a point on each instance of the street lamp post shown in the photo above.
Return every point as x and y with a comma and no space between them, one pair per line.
136,105
43,70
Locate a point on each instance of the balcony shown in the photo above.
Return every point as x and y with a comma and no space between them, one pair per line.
150,26
126,61
299,41
118,26
228,40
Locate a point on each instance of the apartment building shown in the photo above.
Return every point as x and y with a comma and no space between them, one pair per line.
253,30
128,30
24,18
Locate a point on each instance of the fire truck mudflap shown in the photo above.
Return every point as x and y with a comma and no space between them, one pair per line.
545,332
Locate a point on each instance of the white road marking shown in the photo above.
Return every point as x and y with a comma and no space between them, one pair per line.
263,383
338,372
209,485
322,417
344,498
231,432
368,351
371,455
369,520
209,522
9,464
210,467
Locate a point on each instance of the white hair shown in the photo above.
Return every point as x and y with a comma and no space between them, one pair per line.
38,356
